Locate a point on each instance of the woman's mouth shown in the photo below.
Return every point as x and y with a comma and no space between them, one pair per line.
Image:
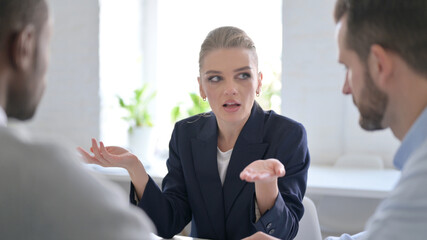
231,106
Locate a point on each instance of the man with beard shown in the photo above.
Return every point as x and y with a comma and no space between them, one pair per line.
44,193
383,45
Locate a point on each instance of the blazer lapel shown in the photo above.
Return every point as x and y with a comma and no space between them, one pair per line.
248,148
241,157
204,150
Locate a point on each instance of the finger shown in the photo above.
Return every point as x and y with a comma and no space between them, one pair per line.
95,148
242,175
249,170
280,171
97,153
105,154
246,176
87,157
258,176
261,176
278,168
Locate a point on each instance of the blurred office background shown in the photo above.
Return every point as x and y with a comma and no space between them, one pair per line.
104,49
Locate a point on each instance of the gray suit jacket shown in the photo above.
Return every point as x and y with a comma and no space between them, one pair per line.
45,193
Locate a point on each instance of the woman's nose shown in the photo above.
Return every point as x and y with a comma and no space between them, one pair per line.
230,88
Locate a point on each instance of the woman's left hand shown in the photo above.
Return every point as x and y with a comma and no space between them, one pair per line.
263,171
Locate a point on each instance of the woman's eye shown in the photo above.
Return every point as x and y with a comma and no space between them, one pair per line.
214,79
244,76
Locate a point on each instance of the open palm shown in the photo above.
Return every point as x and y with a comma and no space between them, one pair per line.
110,156
263,171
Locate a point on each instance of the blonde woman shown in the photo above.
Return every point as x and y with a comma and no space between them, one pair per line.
234,171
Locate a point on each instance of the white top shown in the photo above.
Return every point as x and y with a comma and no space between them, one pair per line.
3,118
223,159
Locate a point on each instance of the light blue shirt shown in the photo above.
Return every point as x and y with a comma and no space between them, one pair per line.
412,141
403,215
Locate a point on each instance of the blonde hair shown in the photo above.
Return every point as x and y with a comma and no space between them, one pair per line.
226,37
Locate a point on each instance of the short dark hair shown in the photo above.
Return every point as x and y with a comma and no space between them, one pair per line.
396,25
16,14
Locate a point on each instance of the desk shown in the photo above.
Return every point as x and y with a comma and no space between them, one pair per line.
351,182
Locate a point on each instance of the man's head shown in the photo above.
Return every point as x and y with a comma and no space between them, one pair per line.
24,39
366,27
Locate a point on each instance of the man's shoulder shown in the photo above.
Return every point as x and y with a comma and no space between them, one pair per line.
19,146
25,156
418,160
41,177
404,212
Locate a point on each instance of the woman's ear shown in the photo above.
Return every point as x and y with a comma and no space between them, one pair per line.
260,77
202,93
22,48
380,65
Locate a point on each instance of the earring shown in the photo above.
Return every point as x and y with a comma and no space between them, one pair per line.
257,93
204,99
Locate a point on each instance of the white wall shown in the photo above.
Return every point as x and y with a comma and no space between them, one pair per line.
70,106
312,81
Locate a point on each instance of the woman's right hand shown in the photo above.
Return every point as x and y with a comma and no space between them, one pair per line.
110,156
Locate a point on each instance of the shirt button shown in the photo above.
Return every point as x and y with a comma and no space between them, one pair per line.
271,231
269,225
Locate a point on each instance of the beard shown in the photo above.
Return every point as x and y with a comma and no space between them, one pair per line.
19,105
26,92
372,105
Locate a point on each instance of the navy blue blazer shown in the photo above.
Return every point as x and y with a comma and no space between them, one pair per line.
192,189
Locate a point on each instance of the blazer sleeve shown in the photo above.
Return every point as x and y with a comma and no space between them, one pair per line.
283,218
168,209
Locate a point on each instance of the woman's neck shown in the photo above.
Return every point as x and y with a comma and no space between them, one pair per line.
228,134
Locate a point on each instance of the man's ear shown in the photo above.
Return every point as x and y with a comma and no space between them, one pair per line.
380,65
22,48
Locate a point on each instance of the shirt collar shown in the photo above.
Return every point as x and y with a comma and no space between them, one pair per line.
416,135
3,118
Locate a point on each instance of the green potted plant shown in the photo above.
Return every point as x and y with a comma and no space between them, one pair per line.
140,122
197,106
137,108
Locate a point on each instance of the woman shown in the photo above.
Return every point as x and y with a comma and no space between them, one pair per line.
215,176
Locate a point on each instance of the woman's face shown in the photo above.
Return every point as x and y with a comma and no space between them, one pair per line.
229,79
